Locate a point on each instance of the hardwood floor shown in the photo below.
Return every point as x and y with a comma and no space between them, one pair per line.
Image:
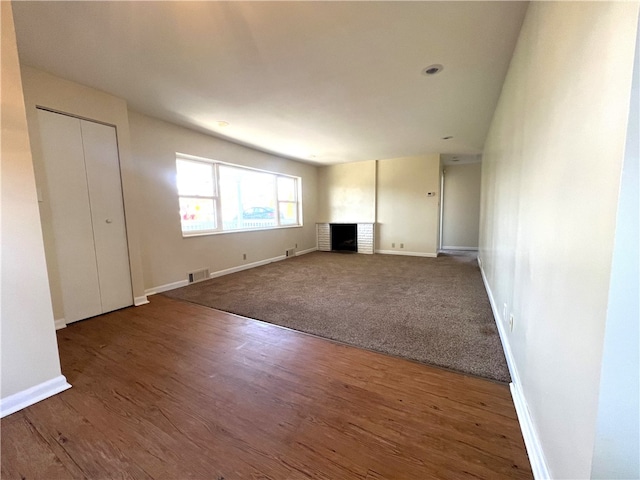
174,390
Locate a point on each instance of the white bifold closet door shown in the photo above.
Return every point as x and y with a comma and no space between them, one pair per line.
84,191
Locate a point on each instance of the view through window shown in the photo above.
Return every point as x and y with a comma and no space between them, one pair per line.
216,197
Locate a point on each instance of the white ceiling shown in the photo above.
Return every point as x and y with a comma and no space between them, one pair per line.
459,159
322,82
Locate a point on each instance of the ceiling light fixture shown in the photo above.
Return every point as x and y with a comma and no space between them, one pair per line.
222,123
432,69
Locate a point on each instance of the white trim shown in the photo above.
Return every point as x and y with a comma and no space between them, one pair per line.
471,249
60,323
227,271
243,230
308,250
511,363
220,273
165,287
138,301
531,439
25,398
410,254
529,433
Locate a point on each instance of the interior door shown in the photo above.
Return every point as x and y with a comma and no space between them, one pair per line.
73,254
90,256
107,214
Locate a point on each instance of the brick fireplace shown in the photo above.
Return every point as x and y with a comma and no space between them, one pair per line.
364,235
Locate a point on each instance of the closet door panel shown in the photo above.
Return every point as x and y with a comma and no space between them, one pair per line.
67,193
107,211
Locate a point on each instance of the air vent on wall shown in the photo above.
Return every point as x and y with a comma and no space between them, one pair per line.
198,275
291,252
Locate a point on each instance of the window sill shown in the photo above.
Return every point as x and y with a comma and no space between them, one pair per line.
245,230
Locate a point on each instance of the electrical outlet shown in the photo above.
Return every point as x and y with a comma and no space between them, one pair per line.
402,245
244,256
393,245
511,322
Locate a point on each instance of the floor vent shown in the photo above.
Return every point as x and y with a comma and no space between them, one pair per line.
198,275
291,252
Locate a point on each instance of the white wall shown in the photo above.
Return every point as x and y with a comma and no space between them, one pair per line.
393,194
166,255
461,206
405,215
550,183
347,193
29,348
46,90
616,453
147,159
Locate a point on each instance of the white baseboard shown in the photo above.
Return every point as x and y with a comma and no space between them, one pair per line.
501,331
60,323
308,250
529,433
25,398
531,439
470,249
166,287
137,301
410,254
220,273
227,271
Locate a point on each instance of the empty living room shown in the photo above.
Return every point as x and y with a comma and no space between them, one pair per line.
319,240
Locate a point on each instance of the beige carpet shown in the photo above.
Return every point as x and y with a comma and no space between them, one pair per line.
432,310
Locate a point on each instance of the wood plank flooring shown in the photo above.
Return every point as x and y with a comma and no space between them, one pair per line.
173,390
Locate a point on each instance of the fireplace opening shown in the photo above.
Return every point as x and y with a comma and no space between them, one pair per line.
344,237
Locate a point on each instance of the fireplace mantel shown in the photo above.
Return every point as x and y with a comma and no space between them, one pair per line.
365,236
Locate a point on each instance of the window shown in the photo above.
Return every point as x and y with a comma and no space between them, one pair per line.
218,197
198,196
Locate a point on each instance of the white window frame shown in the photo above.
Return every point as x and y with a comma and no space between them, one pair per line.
218,203
296,201
215,198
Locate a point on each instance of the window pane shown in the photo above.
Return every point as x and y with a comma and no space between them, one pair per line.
194,178
216,197
197,214
286,189
288,213
247,198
